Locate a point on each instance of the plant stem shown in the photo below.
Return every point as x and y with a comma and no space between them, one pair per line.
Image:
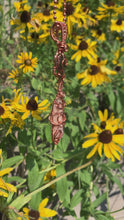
58,178
32,131
107,193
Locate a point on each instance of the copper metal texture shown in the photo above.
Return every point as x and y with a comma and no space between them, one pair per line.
57,117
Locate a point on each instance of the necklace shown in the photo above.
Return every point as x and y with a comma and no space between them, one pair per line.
57,116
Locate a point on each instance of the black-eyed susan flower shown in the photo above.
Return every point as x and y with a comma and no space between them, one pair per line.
98,35
5,110
49,175
15,75
105,140
110,8
73,13
96,74
105,120
23,22
27,63
38,38
31,106
21,6
5,187
41,213
117,25
84,48
16,122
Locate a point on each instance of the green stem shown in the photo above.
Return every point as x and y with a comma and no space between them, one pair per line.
59,178
107,192
62,160
32,131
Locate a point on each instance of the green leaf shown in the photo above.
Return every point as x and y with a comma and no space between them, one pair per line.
36,84
62,183
82,119
11,161
85,176
16,179
24,138
34,177
34,180
111,97
99,200
77,66
63,144
103,217
118,182
20,201
76,199
48,133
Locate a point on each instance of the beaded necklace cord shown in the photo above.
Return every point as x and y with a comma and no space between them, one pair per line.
57,116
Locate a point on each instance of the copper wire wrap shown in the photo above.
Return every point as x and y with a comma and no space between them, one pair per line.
57,116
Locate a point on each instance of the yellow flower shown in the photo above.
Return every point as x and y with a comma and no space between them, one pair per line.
106,10
107,140
14,102
99,35
42,212
105,120
96,73
117,25
37,37
23,22
18,122
6,186
31,106
5,110
15,75
27,63
21,6
84,48
50,175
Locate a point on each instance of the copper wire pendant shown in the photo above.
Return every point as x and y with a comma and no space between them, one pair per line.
57,116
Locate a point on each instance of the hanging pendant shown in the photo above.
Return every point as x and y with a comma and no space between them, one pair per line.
57,116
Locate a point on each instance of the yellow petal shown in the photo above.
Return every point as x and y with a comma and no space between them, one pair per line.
43,204
47,213
100,149
114,152
89,143
119,139
93,151
107,152
92,135
5,171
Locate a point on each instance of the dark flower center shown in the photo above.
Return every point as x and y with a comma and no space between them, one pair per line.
103,124
1,110
46,12
32,105
119,22
39,4
69,8
28,62
86,9
110,3
105,137
117,68
98,59
25,17
83,45
35,35
94,70
119,131
99,32
34,215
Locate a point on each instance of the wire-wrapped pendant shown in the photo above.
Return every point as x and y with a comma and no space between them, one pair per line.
57,116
